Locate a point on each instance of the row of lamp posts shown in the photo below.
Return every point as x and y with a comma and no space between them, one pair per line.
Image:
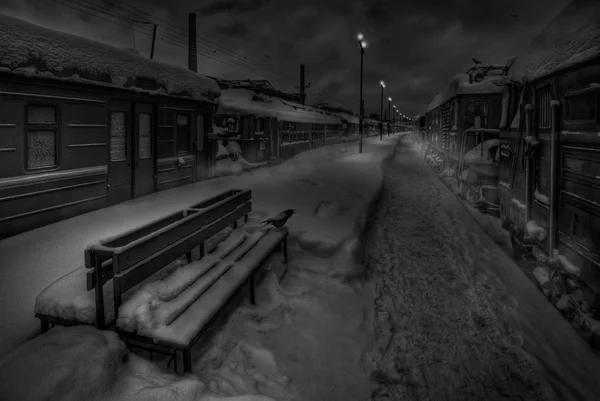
397,115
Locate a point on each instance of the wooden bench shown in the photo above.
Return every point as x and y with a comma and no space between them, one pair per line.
130,258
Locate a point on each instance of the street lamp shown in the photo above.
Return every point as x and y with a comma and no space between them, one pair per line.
394,119
381,112
363,45
389,104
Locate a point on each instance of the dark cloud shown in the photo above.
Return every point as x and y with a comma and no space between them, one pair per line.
229,6
415,46
234,29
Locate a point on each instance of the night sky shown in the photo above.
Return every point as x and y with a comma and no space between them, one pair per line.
415,46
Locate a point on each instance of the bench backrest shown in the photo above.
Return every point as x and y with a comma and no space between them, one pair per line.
131,257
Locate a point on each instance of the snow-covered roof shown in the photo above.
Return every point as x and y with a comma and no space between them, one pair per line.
32,50
249,102
460,85
348,117
571,38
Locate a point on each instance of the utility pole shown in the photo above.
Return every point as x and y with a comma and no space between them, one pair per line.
192,50
153,42
302,87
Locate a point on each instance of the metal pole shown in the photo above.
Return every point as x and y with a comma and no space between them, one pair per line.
153,42
302,94
381,116
360,121
553,178
390,117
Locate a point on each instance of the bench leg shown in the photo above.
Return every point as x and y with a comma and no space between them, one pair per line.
188,255
45,326
285,250
235,224
187,360
252,289
245,218
202,250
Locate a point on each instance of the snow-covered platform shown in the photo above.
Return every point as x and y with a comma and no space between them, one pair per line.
326,186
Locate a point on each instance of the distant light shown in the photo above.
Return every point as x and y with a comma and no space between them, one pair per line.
382,84
363,44
360,36
390,99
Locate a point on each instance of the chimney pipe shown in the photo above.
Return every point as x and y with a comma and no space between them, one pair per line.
192,51
302,93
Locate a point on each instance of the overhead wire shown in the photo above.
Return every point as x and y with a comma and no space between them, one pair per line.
178,35
213,45
124,21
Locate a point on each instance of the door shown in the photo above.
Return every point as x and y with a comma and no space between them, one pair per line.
143,150
120,170
202,154
274,138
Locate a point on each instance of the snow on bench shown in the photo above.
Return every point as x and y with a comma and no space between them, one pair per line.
160,302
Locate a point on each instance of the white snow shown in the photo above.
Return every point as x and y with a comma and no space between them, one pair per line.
532,140
534,230
571,38
540,197
29,50
261,346
460,85
518,204
249,102
568,266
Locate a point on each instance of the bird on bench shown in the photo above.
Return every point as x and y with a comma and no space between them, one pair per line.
279,219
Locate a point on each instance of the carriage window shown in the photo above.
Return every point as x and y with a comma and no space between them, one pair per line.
543,108
477,108
260,125
581,107
183,134
288,126
41,137
41,149
199,132
144,136
118,136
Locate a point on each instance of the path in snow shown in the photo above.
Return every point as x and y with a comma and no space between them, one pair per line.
455,318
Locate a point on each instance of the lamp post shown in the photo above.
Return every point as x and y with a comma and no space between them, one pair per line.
381,112
363,44
394,119
389,105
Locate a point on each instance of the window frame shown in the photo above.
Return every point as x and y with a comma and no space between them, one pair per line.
484,122
260,121
543,111
127,144
189,138
152,150
577,93
56,128
201,117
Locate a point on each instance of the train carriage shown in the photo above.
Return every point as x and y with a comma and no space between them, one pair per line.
84,125
550,154
460,128
266,127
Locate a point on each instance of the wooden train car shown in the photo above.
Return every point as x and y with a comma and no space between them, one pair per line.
84,125
550,155
350,122
267,127
460,129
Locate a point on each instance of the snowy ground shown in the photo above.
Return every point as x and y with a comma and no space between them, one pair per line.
309,338
456,319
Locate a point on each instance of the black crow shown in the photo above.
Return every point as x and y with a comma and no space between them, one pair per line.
280,219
